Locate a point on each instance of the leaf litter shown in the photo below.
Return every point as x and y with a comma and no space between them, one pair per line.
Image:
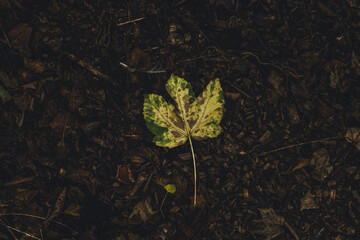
290,79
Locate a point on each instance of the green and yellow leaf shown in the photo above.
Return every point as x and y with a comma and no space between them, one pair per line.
184,98
162,120
211,108
171,188
192,117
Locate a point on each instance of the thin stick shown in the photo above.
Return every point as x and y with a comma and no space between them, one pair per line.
193,156
38,217
291,230
131,21
17,230
3,223
296,145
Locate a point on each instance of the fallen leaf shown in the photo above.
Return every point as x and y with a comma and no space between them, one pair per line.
193,117
170,188
353,136
197,118
321,161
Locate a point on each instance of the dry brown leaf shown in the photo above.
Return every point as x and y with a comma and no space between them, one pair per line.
321,161
353,136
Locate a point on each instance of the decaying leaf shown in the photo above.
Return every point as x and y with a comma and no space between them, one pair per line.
353,136
192,117
322,163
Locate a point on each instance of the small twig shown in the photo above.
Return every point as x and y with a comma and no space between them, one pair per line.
131,69
237,88
294,75
130,21
194,162
3,223
296,145
39,217
86,65
17,230
15,182
291,230
7,40
63,133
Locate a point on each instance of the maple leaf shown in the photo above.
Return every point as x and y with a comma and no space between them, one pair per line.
198,118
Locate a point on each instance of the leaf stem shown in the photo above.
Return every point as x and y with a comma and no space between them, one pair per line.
194,162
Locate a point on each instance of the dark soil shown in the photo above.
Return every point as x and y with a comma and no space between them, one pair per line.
77,160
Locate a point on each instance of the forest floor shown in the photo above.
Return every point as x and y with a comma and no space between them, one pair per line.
77,160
